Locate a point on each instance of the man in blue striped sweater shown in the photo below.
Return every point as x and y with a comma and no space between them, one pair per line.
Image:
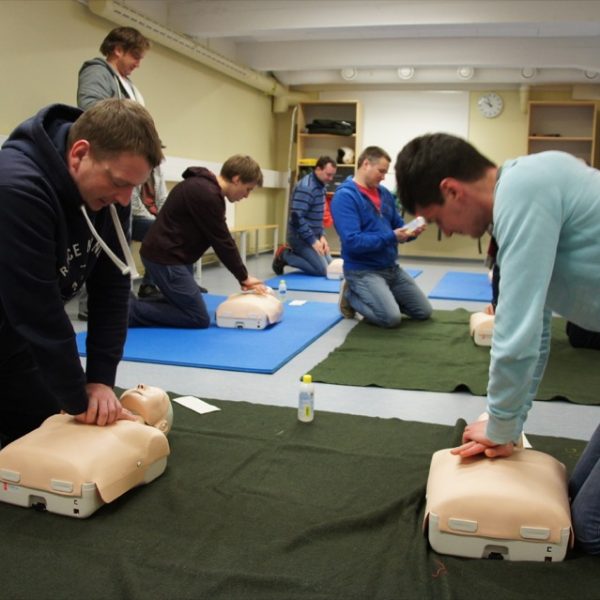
307,247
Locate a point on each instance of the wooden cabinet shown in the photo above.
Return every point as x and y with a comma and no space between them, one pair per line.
310,146
567,126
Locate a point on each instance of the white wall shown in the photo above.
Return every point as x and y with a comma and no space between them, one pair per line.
390,119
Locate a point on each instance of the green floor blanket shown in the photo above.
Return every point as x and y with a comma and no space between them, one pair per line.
439,356
257,506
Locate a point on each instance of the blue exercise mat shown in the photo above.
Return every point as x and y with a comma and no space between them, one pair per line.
256,351
456,285
300,282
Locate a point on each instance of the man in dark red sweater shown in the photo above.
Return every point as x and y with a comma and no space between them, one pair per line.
191,221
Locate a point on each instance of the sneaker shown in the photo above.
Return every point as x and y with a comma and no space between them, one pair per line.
278,260
345,308
148,291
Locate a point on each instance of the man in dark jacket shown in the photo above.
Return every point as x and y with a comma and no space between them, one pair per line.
192,220
60,175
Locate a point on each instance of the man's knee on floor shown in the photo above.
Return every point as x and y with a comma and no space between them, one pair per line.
390,321
585,539
423,314
586,528
198,321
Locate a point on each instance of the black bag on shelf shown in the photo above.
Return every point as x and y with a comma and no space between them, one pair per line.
331,126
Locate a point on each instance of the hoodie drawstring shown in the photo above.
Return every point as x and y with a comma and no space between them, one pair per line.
126,269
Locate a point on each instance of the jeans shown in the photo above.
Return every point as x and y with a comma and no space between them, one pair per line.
383,296
182,306
139,229
305,257
584,490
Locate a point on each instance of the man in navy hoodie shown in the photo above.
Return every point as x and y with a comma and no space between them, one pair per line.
61,172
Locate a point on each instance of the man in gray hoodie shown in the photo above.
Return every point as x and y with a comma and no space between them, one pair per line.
109,77
100,78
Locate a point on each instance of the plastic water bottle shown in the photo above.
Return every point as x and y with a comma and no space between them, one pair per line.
306,400
282,290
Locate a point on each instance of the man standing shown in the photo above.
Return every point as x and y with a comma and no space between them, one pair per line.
370,228
146,201
60,175
101,78
191,221
109,77
544,213
308,249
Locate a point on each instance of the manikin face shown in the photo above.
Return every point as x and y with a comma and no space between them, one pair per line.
125,62
374,172
326,174
237,190
108,181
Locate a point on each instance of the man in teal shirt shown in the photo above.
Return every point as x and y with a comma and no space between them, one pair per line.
544,212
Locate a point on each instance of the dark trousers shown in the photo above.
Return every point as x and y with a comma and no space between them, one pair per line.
182,305
26,401
582,338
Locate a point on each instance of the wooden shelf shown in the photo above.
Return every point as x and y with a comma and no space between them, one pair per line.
313,145
567,126
327,135
310,146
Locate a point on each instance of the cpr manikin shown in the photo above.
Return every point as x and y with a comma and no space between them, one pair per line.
335,269
514,508
71,468
250,310
481,328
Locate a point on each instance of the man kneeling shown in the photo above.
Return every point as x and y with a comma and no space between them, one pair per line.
191,221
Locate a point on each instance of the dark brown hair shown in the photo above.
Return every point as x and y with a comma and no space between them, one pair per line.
426,160
128,38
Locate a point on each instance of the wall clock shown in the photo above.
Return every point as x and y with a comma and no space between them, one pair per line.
490,105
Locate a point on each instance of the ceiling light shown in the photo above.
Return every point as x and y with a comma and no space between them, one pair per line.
528,72
349,73
465,72
591,74
406,73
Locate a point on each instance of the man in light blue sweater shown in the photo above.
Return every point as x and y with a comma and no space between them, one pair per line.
544,212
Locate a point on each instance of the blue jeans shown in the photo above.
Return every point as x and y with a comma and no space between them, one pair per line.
382,296
182,306
139,229
305,257
584,490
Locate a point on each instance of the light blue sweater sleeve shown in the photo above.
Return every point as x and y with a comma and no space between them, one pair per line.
547,262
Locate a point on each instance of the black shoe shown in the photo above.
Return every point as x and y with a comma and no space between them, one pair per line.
82,316
203,290
148,291
278,261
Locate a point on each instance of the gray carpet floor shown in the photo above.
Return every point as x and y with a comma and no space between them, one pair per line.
281,388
